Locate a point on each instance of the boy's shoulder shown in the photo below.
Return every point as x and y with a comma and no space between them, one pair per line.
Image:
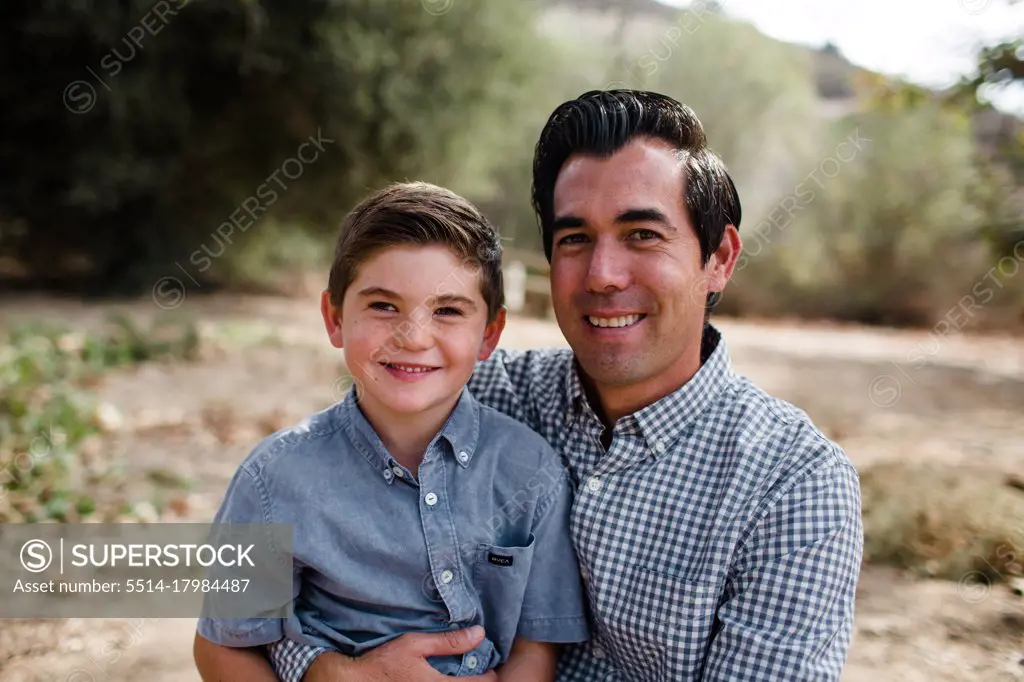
286,447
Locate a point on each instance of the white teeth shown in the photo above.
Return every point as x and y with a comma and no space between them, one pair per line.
411,370
623,321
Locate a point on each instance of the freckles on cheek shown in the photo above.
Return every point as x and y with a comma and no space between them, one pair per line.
369,335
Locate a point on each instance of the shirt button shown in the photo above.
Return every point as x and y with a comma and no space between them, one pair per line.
598,652
447,576
594,484
659,446
388,475
472,661
463,456
430,499
398,472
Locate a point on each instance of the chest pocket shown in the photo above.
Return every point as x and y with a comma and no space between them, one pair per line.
500,576
662,628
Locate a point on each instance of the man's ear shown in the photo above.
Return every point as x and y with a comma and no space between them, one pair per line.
332,319
492,334
722,263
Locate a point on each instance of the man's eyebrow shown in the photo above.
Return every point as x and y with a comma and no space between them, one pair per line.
632,215
644,215
564,222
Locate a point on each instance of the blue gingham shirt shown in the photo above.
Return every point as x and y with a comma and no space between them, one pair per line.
479,536
719,536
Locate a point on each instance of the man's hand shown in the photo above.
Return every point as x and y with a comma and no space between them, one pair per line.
401,660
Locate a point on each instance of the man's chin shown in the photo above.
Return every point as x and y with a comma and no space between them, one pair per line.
617,369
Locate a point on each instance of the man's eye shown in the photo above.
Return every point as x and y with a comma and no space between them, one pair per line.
383,307
577,238
448,311
645,235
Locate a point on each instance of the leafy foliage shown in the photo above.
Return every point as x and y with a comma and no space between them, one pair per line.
761,118
890,232
49,422
195,105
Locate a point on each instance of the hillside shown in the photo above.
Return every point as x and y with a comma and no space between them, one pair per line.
835,75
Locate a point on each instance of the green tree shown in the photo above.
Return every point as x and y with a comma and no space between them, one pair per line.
755,96
893,237
1000,66
177,112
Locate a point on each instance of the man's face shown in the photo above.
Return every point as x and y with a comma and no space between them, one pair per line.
627,282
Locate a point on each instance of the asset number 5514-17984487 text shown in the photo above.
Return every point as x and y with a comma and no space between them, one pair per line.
187,585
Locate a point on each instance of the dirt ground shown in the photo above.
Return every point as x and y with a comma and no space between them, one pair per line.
270,365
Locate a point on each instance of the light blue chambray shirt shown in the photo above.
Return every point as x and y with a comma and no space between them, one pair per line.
479,537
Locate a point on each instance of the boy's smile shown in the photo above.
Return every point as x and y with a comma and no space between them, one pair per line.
406,372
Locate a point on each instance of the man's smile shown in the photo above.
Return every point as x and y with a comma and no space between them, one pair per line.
615,321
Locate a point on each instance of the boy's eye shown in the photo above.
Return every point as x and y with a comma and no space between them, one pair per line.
383,307
575,238
448,310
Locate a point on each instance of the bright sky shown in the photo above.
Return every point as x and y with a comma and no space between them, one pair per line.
931,42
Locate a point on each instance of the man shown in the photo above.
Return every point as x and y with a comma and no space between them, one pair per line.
718,531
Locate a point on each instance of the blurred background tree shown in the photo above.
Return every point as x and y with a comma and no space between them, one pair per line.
1001,67
756,97
199,115
108,194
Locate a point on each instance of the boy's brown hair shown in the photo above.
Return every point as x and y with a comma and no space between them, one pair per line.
419,213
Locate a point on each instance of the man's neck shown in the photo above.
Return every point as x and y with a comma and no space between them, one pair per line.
406,436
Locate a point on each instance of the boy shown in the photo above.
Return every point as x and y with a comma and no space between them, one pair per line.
414,507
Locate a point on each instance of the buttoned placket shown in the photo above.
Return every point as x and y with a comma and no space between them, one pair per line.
595,468
440,535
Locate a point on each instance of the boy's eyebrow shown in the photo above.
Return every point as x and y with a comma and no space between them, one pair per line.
379,291
449,299
442,299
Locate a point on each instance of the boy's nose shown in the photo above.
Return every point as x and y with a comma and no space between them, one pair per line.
413,336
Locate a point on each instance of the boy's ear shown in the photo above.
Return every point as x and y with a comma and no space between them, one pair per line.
332,319
492,334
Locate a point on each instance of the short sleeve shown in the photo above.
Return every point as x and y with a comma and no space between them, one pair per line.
242,504
554,606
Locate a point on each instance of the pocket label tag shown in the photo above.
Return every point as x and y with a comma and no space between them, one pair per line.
499,559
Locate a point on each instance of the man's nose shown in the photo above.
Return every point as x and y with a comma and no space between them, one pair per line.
608,268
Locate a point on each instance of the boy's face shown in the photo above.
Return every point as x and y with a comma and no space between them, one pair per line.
412,324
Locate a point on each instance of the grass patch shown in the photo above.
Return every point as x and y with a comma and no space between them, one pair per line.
942,522
50,421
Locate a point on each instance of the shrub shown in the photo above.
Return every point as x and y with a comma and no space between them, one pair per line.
943,522
48,416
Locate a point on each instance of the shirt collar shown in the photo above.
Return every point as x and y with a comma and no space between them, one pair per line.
461,431
662,422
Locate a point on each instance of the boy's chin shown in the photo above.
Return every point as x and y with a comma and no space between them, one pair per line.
409,401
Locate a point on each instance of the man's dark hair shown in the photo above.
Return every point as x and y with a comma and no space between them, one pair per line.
419,214
600,122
